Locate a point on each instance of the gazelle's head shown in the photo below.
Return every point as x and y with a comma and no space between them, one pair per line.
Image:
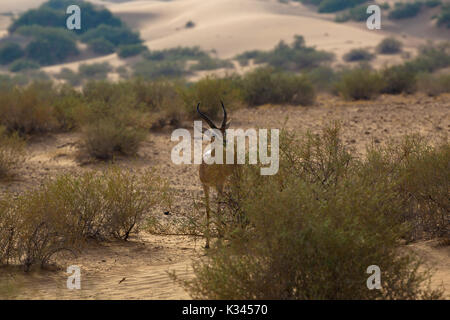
225,122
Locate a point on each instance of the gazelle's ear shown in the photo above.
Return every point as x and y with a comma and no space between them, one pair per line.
228,124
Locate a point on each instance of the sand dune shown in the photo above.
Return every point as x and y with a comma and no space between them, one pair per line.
230,27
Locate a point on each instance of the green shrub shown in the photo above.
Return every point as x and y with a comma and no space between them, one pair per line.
152,70
434,85
97,71
443,18
433,3
264,85
131,50
208,63
327,6
70,76
431,58
359,84
399,79
116,35
45,17
10,52
209,92
358,55
49,45
390,46
313,230
12,149
358,13
405,10
23,64
101,46
322,78
294,57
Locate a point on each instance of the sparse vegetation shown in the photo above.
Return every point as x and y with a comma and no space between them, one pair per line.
399,79
294,57
96,71
322,210
12,149
64,212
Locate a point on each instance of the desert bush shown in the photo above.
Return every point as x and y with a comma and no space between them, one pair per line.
431,58
358,13
154,70
49,45
23,64
189,24
29,109
443,18
264,85
358,55
294,57
208,63
399,79
101,46
327,6
404,10
41,17
174,54
306,224
10,52
420,174
434,85
105,138
209,92
64,212
97,71
116,35
390,46
12,151
131,50
359,84
71,77
322,78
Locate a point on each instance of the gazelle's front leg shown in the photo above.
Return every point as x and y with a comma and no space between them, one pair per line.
206,191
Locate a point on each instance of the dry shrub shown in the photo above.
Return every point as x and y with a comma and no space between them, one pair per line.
434,85
420,175
63,213
313,230
360,84
28,109
12,151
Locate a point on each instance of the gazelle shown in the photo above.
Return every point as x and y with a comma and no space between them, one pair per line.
214,175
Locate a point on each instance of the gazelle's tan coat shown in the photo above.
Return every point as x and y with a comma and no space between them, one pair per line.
214,175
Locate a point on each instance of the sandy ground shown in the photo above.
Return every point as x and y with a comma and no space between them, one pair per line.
230,27
145,260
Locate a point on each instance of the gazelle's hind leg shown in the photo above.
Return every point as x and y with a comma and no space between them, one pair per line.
220,224
206,190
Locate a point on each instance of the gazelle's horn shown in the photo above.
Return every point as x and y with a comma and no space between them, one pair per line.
205,117
224,122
